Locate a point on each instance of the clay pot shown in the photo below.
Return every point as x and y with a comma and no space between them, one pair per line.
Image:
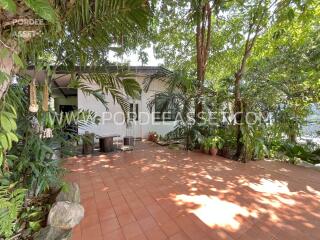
213,151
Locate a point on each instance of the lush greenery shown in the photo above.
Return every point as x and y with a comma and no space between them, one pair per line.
212,142
264,58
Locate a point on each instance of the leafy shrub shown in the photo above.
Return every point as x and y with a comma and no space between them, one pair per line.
299,151
11,201
191,133
212,142
254,142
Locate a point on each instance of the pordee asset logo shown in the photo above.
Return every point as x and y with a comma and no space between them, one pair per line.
165,118
212,118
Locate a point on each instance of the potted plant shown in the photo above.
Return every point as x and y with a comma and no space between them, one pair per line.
212,145
216,143
206,145
152,137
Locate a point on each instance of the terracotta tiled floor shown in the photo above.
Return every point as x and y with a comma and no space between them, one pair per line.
155,193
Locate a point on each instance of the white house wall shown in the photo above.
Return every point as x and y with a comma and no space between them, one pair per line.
140,129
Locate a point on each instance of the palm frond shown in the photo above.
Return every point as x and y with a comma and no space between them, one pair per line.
119,86
102,23
176,95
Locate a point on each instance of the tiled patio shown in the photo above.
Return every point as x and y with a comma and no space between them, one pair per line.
156,193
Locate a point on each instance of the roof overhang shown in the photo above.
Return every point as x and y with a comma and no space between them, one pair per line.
62,75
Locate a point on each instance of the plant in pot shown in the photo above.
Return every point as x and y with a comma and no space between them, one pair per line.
152,137
206,145
216,143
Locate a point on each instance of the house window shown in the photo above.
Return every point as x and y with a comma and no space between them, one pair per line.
162,112
134,112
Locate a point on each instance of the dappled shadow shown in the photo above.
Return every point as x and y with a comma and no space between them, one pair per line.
208,197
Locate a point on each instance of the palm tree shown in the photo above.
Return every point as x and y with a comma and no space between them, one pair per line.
82,31
179,95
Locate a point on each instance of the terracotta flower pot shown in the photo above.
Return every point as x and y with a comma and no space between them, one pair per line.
213,151
203,150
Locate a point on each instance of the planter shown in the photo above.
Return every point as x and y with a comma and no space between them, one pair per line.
152,137
203,150
128,141
213,151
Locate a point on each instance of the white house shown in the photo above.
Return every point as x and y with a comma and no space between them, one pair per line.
112,120
142,120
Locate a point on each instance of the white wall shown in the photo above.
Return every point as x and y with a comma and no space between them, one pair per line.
141,128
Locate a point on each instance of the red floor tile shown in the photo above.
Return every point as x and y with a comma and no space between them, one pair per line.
92,232
114,235
170,228
132,230
155,233
179,236
147,223
109,225
126,218
89,221
105,214
140,213
157,193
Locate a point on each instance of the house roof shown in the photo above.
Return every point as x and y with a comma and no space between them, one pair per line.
109,68
63,75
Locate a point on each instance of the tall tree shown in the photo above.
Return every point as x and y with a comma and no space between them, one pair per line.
242,27
260,16
256,20
184,37
202,16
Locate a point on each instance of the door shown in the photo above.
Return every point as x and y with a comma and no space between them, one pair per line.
134,126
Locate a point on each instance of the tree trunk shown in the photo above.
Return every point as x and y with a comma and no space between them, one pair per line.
6,67
237,92
293,138
203,37
8,39
238,112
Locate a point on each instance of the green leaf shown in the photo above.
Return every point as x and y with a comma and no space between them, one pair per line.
35,226
12,157
17,60
47,149
9,140
4,52
1,158
10,115
43,9
291,14
3,77
3,141
13,137
14,112
5,123
8,5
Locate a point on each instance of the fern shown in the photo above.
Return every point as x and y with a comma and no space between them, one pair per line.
11,201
